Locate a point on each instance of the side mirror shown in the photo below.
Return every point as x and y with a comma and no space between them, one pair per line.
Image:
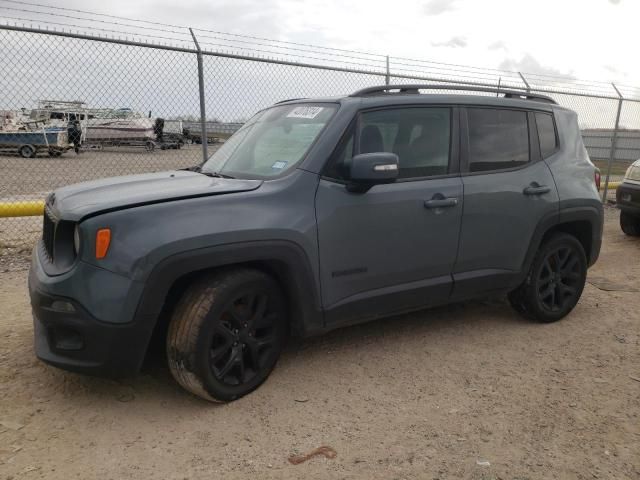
369,169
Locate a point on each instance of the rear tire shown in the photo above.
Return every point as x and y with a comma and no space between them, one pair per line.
630,224
227,333
555,280
27,151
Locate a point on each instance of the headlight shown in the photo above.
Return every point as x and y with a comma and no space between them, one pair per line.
76,240
633,173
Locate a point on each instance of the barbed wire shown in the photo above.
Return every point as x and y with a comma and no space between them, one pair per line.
259,47
186,27
59,15
73,27
90,13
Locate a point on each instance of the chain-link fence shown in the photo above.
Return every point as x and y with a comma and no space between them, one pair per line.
80,105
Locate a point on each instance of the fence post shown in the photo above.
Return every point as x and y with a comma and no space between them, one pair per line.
387,77
614,141
203,113
524,80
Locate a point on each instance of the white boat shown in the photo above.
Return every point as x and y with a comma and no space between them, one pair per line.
98,125
121,125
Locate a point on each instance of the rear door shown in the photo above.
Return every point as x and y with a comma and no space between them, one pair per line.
508,192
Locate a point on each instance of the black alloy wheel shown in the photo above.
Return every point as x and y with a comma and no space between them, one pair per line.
243,340
555,280
226,333
559,279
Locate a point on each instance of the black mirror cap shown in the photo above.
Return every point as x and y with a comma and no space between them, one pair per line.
368,169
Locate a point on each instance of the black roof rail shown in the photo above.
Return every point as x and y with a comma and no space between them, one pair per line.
415,89
289,100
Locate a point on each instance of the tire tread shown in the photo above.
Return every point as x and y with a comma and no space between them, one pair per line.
187,322
630,224
524,298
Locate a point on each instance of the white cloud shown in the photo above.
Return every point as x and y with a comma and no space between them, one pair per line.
436,7
454,42
530,65
578,36
498,45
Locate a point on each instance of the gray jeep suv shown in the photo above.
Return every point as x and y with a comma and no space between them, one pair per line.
318,213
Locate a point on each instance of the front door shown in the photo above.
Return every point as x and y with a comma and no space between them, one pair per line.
393,247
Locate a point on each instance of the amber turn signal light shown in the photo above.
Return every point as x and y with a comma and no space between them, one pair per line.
103,239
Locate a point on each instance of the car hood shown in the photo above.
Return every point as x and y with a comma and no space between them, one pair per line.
90,198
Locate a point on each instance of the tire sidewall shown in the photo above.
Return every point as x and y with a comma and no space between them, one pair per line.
224,295
542,313
27,151
630,224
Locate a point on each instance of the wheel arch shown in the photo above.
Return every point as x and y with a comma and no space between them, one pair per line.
283,260
585,223
580,229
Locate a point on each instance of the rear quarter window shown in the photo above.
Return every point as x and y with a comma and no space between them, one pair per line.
547,134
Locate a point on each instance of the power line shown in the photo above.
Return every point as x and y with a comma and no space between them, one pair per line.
182,26
247,39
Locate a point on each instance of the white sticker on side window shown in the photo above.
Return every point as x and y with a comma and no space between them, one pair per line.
279,165
305,112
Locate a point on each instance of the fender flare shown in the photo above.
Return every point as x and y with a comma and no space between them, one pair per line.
293,267
594,214
591,214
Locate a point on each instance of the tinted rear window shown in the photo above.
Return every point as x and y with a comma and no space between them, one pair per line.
498,139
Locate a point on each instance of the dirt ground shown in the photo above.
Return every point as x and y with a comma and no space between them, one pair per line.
468,391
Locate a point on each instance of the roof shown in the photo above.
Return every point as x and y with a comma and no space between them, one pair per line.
410,94
415,89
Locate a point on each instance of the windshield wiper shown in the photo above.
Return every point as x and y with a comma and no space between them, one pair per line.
215,174
198,169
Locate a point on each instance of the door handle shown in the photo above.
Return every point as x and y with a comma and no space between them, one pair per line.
441,202
535,189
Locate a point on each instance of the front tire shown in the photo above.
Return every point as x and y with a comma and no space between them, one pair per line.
227,333
630,224
555,280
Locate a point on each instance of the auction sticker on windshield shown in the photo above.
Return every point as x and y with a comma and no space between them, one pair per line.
305,112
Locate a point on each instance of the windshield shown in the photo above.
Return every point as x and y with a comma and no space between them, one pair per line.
272,142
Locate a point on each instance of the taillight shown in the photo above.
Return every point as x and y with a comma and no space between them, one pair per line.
597,179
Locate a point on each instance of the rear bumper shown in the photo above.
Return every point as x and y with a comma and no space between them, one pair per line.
67,335
628,197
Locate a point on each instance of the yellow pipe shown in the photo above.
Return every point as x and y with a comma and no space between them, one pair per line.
27,208
36,207
612,185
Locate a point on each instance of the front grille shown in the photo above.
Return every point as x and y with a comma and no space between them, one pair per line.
49,232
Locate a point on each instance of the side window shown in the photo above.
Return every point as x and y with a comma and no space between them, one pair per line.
420,137
546,134
498,139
